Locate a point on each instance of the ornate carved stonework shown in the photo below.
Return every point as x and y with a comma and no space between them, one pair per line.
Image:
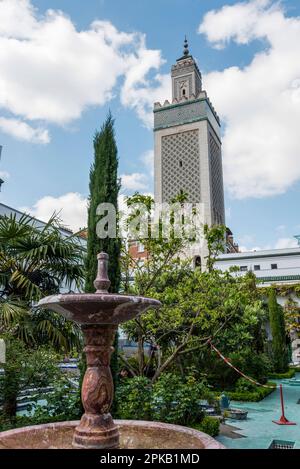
216,181
179,114
180,165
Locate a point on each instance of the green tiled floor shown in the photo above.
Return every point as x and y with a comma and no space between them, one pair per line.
259,428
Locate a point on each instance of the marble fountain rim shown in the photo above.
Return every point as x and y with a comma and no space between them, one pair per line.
208,441
96,297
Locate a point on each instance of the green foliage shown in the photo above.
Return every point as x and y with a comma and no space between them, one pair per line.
104,188
177,401
243,385
170,399
287,375
62,405
134,399
62,402
24,367
291,293
203,305
34,263
215,240
252,396
209,425
277,324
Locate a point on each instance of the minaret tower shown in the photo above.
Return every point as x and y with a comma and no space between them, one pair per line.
187,147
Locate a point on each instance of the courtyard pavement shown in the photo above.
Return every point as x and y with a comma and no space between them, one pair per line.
259,428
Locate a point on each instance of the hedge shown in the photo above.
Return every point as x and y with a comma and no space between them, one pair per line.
251,396
209,425
287,375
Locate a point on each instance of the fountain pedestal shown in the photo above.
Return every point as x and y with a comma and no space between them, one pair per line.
97,429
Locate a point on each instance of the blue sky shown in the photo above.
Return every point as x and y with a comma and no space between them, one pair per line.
252,78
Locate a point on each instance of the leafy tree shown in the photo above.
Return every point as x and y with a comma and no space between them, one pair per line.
215,240
196,307
277,324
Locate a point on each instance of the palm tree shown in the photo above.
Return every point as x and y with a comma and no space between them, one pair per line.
35,262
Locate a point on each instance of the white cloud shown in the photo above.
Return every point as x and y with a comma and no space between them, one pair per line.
140,94
280,243
140,181
52,72
259,103
71,208
4,175
134,181
22,131
147,160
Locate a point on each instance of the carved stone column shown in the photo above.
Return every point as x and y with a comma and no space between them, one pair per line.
96,428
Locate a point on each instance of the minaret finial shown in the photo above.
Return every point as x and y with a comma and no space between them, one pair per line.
185,47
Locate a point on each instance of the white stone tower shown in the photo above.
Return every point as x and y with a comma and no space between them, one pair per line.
187,147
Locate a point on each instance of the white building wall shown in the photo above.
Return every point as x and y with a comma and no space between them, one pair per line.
287,261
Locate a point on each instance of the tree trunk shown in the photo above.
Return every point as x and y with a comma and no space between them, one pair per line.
10,394
141,354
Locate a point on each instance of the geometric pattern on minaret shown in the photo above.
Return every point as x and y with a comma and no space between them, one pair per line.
187,143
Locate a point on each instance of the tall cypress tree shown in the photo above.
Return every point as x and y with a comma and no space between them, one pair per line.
277,324
104,188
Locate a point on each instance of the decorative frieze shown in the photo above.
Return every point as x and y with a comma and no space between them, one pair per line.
183,112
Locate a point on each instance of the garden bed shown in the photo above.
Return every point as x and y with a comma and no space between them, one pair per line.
251,396
287,375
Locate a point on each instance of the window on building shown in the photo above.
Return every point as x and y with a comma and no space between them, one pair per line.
243,268
180,163
183,92
274,266
257,267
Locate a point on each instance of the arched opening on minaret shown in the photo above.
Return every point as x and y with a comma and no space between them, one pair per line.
197,262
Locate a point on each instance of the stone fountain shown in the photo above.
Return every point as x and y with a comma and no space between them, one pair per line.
99,315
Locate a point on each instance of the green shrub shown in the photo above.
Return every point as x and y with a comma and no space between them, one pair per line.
296,368
63,402
221,376
287,375
23,368
244,385
280,355
255,365
209,425
133,398
176,401
170,399
252,396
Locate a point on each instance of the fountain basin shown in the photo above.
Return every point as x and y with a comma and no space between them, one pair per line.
98,308
134,434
